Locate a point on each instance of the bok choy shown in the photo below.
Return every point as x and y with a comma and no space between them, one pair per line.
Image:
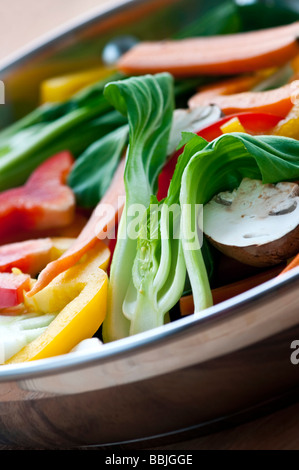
220,166
51,128
148,102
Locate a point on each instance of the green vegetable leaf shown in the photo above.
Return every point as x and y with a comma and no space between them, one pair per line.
219,166
148,103
51,128
92,173
159,270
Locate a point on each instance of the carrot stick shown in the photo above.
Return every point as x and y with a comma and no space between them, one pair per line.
220,294
233,85
96,229
216,55
293,264
277,101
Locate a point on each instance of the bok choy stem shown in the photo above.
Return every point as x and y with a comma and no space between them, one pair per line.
148,102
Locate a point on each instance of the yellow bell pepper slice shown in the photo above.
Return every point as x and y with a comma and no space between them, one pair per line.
233,125
289,127
58,89
79,295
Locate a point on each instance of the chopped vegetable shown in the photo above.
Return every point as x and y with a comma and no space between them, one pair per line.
288,126
253,123
256,223
148,102
69,231
97,228
159,269
43,202
233,125
218,166
31,256
78,299
16,331
62,88
50,129
92,172
277,101
294,263
12,287
234,85
218,55
228,291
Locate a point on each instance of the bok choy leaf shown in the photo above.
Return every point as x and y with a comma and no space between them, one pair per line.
159,270
220,166
51,128
148,102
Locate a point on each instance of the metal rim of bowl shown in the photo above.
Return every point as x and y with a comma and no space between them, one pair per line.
228,308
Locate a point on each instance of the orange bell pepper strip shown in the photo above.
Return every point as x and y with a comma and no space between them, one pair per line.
217,55
96,229
78,297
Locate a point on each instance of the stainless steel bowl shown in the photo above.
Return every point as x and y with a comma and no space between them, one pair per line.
189,377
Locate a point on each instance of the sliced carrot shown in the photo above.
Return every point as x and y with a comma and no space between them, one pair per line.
220,294
277,101
102,221
232,86
292,265
237,84
217,55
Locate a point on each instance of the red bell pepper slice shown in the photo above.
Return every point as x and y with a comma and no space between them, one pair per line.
12,287
30,256
253,123
44,202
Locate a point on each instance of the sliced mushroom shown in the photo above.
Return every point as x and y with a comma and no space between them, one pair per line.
257,224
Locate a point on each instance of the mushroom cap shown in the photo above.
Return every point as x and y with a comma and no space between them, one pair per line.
257,224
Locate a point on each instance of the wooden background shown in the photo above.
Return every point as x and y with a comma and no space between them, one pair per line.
22,21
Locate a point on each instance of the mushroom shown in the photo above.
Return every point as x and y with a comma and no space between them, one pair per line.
256,223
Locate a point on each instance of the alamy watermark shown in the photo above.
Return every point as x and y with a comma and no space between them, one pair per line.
294,358
158,221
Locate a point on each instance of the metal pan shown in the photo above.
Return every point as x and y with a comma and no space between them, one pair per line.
191,376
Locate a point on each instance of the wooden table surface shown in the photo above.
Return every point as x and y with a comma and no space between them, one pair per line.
21,25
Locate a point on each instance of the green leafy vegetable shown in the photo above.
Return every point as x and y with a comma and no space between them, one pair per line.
218,166
93,170
222,19
148,102
51,128
92,173
159,270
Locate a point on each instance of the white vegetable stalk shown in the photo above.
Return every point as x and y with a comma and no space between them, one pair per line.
18,331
